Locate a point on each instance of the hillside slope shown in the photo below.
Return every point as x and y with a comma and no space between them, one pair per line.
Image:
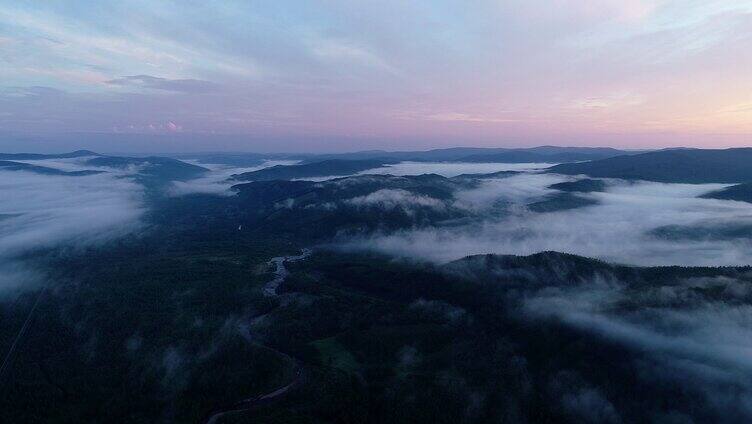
692,166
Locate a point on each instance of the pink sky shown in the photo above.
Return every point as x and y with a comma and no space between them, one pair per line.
338,75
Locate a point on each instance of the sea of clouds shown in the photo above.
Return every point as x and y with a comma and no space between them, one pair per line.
703,343
681,337
217,180
452,169
41,211
45,211
617,229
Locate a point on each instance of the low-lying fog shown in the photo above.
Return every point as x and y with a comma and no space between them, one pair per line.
447,169
698,343
42,211
45,210
217,181
617,229
703,343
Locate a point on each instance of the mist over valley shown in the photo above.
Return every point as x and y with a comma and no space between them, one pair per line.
408,212
486,290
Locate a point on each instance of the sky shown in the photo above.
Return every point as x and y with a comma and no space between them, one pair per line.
294,75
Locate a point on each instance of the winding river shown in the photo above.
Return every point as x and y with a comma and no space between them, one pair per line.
270,290
281,272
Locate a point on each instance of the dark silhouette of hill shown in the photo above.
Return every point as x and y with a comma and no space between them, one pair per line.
695,166
585,185
38,156
153,166
544,154
7,165
739,192
326,168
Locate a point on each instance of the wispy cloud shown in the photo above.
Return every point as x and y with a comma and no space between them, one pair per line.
46,211
698,342
156,83
635,214
395,198
648,72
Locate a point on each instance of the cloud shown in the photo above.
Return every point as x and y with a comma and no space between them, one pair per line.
619,228
395,198
517,191
156,83
438,309
452,169
15,275
167,127
341,72
693,333
63,164
47,211
217,180
580,401
689,338
673,335
346,51
611,100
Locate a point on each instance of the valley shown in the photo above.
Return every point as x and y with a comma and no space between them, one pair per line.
373,297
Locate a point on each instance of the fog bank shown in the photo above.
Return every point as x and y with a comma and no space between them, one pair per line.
44,211
619,228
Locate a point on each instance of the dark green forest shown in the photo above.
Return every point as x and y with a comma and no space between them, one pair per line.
172,324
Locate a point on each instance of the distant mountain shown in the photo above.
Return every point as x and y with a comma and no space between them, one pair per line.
326,168
6,165
546,154
595,151
336,190
511,157
314,211
739,192
540,269
704,232
237,159
585,185
436,155
541,154
560,202
693,166
37,156
153,171
158,167
499,174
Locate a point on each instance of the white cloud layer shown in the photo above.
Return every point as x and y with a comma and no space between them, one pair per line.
700,344
453,169
616,229
395,198
216,181
43,211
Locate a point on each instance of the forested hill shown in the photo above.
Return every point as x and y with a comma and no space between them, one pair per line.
541,154
692,166
40,156
739,192
326,168
162,168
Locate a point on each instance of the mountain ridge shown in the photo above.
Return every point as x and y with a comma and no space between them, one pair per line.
693,166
